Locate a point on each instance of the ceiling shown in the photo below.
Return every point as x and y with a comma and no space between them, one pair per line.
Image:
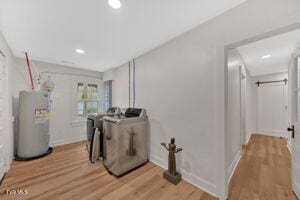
279,47
51,30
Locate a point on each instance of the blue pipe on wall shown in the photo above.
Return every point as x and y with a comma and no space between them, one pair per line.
133,83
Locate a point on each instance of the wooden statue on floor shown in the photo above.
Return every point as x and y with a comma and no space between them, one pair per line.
171,174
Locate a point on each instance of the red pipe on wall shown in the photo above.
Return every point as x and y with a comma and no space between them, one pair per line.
29,70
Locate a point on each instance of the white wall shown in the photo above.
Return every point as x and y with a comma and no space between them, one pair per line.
174,108
64,127
233,138
250,104
120,85
243,105
253,114
240,124
9,65
182,85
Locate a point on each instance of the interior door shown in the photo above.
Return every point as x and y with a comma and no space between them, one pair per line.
271,109
295,129
2,118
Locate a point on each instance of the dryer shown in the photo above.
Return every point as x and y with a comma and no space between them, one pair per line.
95,133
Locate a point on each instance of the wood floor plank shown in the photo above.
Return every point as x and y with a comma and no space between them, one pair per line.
264,171
66,174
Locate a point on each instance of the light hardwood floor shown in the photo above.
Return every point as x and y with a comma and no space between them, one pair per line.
65,174
264,171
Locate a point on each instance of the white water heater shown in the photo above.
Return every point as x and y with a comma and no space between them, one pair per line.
33,130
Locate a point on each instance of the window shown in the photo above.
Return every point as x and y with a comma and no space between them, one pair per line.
92,91
107,95
87,99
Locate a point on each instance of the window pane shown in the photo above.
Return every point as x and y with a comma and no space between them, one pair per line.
298,72
92,91
92,107
80,109
107,95
80,91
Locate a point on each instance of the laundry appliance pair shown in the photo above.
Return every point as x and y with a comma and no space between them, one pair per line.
120,139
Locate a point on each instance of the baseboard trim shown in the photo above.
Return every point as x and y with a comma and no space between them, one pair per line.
190,178
248,138
2,179
288,145
7,167
272,133
67,141
233,165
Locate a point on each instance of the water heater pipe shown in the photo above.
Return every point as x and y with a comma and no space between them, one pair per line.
29,70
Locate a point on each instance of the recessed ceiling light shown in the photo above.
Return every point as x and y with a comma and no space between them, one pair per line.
115,4
80,51
266,56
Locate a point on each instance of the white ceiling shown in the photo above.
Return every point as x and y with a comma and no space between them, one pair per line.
280,48
51,30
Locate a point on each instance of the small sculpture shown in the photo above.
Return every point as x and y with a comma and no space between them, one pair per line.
171,174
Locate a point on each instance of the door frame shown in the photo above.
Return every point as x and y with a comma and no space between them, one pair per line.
243,111
293,112
5,115
224,185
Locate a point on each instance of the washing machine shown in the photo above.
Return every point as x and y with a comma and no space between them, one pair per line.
126,145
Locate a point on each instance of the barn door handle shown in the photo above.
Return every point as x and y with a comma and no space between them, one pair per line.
292,130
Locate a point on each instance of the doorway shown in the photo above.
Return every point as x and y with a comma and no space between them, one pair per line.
265,111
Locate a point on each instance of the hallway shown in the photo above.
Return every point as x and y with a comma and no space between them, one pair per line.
264,171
